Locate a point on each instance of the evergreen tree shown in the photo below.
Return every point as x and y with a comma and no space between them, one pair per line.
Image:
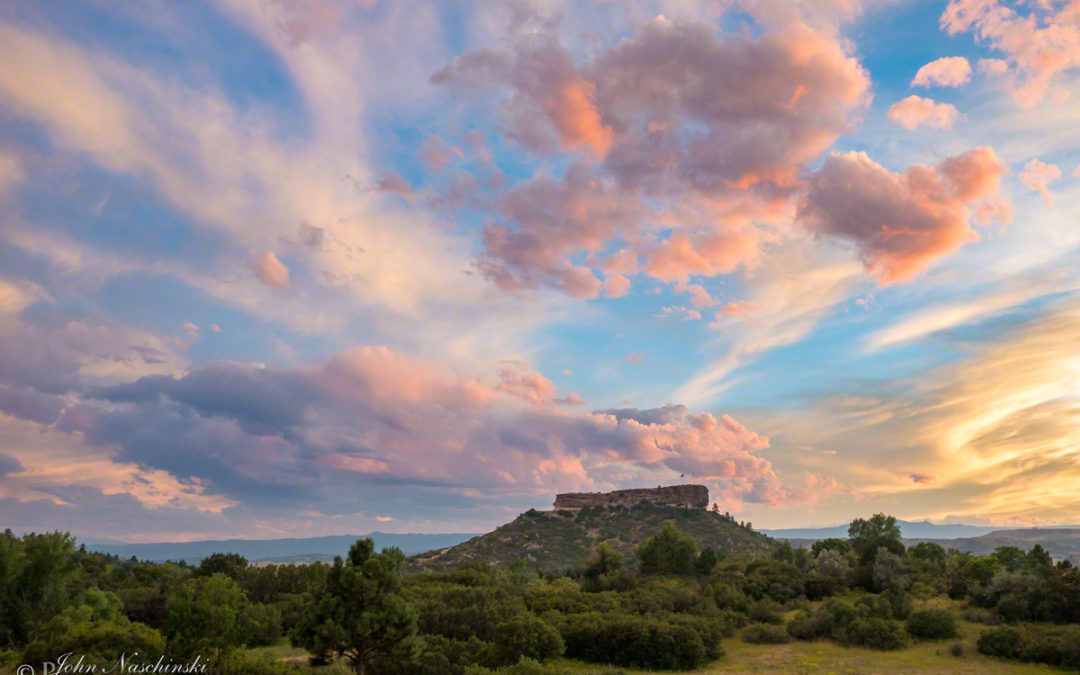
359,614
669,552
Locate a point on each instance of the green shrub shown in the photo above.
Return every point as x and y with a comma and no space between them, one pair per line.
1002,641
765,611
1056,646
765,634
932,624
804,626
957,649
875,633
523,637
820,586
635,641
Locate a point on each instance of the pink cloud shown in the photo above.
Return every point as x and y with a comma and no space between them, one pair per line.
1038,175
740,308
368,372
1038,46
680,255
515,379
375,412
636,357
950,71
699,297
993,67
547,220
616,286
899,223
392,182
687,313
215,328
364,465
436,152
916,110
691,126
271,271
575,117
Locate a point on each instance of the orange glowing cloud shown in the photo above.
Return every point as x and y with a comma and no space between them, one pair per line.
573,112
916,110
900,223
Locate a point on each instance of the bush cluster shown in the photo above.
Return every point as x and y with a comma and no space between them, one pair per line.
932,624
1057,645
858,624
765,634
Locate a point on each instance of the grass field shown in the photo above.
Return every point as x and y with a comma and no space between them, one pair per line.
804,657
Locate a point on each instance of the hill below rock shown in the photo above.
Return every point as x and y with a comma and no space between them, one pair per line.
564,537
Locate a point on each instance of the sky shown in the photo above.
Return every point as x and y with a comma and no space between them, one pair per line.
278,268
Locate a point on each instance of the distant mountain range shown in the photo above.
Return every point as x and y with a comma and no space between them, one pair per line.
909,529
276,550
1061,542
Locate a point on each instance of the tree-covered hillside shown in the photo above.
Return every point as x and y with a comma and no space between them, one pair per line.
551,540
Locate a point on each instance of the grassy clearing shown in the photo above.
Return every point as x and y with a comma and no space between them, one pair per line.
797,657
810,657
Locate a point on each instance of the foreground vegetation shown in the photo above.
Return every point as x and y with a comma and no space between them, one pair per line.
843,604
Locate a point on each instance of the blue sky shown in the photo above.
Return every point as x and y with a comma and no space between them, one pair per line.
326,266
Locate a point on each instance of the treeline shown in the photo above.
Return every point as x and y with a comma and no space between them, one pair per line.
667,606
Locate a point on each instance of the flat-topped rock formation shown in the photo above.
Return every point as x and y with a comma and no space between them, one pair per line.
694,496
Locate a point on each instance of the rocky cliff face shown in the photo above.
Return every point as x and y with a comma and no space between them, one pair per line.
695,496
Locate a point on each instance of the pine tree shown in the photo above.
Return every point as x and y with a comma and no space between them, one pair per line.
359,613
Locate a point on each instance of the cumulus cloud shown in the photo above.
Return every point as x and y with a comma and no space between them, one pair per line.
547,220
616,286
702,133
900,223
949,71
271,271
553,105
699,297
1039,45
257,434
916,110
1038,175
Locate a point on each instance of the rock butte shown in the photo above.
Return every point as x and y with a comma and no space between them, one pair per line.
693,496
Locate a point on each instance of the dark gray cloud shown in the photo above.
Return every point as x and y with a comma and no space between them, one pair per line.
9,464
665,415
31,405
261,400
